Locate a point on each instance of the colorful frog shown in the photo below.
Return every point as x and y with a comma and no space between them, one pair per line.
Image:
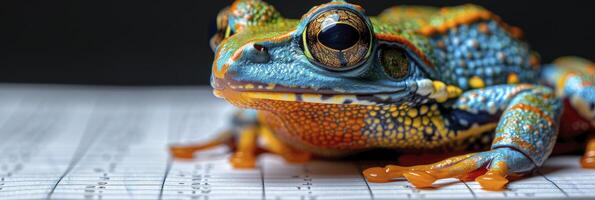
448,81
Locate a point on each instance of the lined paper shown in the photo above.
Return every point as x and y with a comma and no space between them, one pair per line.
82,142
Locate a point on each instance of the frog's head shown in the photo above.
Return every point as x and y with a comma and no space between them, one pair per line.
332,55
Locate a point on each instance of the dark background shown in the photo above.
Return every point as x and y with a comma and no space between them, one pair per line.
141,42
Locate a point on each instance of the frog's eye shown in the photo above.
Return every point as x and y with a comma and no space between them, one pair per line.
395,62
338,39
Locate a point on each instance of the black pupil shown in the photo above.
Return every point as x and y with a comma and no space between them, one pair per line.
338,36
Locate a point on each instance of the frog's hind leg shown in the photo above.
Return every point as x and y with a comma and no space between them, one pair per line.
241,138
187,151
244,140
574,80
248,147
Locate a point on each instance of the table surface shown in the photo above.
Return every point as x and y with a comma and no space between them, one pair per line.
85,142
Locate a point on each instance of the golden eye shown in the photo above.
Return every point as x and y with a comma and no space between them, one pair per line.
395,62
337,39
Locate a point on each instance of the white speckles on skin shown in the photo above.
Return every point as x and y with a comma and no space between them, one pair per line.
436,90
270,86
492,108
473,43
501,56
463,122
424,87
383,97
339,90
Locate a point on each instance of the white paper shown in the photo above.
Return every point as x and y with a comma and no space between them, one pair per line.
81,142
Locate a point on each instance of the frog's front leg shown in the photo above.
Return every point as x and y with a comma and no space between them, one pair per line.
244,139
588,159
527,118
247,147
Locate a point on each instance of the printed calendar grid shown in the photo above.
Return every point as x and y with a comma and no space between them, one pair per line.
61,142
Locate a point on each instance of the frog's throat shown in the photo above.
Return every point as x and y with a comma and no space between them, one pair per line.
244,98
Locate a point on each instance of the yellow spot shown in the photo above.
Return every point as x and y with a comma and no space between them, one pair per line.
434,107
249,86
439,124
476,82
429,129
512,78
438,85
439,92
393,109
270,86
441,99
379,129
376,121
372,113
425,120
412,112
407,121
453,91
413,131
312,97
423,109
416,122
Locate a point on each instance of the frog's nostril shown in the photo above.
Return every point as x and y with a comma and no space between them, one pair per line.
258,53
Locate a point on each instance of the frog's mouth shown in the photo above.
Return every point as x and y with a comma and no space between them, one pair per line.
238,92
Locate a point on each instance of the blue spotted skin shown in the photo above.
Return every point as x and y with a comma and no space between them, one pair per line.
465,51
473,74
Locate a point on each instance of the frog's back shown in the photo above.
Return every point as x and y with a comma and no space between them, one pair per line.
467,46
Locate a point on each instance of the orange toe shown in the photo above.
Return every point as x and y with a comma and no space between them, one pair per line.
395,171
492,182
243,160
588,162
181,152
420,179
376,175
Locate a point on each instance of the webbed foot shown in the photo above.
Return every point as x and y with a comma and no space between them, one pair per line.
246,147
491,169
